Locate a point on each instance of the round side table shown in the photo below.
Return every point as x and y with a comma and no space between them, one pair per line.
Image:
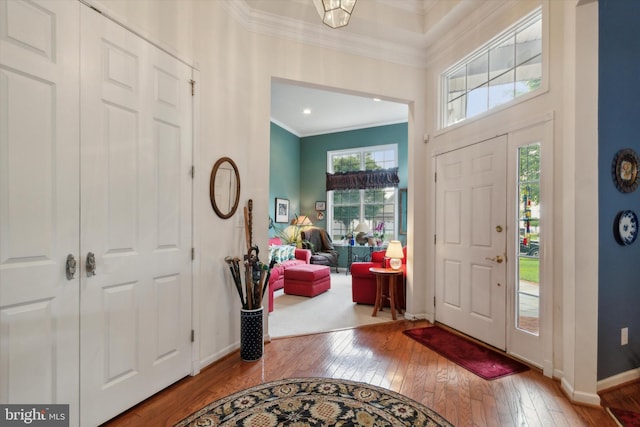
389,276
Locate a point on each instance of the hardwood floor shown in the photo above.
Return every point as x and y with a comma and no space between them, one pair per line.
380,355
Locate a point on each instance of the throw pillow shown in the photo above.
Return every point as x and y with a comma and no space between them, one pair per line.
281,253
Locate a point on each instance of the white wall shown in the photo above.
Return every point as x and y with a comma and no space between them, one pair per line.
235,67
548,103
235,70
572,346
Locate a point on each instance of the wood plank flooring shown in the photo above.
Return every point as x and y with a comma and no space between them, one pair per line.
381,355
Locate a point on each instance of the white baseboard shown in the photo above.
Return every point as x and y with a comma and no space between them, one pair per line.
618,379
416,316
577,396
219,355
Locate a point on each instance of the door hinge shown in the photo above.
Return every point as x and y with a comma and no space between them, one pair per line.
193,172
434,301
435,177
193,254
193,335
434,238
193,87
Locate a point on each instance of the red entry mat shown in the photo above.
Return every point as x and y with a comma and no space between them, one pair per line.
483,362
625,418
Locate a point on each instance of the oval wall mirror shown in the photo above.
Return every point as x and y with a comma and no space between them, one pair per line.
224,187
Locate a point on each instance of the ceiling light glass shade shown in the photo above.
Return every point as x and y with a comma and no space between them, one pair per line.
335,13
394,252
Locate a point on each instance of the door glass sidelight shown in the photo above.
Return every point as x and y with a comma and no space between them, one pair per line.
528,269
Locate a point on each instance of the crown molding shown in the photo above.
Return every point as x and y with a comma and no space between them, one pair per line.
320,35
416,50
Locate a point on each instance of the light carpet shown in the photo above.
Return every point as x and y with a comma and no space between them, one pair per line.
329,311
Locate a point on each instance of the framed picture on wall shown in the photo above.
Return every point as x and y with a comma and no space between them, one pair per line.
282,210
321,206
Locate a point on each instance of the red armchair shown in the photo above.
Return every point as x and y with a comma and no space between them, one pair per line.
363,282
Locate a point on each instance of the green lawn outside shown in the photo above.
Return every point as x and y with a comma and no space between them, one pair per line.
530,269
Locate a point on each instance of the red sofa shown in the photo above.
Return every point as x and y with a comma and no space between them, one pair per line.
363,282
276,280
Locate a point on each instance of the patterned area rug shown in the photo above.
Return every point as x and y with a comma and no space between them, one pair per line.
310,402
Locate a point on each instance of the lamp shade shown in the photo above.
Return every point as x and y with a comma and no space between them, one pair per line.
363,227
301,220
395,253
335,13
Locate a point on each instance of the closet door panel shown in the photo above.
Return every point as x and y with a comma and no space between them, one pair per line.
136,219
39,202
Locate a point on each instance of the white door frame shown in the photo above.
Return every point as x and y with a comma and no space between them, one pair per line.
521,344
449,140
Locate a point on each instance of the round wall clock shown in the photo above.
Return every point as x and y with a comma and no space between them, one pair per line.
625,227
625,170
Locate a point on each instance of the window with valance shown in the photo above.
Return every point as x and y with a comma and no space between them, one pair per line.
362,180
362,185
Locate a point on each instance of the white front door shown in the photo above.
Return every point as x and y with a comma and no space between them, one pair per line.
39,212
471,230
136,160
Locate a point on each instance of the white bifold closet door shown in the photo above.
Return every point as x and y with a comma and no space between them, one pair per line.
39,202
136,157
95,157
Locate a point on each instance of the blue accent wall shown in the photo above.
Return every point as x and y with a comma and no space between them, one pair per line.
284,170
619,127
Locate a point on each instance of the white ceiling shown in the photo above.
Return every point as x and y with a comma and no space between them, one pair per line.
393,30
329,111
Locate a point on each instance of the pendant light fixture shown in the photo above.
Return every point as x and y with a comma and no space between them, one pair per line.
335,13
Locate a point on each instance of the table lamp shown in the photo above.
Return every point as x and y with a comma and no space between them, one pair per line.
301,221
395,254
361,232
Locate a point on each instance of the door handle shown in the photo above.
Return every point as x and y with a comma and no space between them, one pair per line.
70,266
497,259
91,264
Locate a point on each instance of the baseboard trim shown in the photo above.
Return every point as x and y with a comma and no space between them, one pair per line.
219,355
416,316
577,396
618,379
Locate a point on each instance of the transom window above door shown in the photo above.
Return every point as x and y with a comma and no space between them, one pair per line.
505,68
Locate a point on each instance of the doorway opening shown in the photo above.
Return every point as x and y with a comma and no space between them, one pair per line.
307,122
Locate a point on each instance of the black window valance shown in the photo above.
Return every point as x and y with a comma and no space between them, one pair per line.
360,180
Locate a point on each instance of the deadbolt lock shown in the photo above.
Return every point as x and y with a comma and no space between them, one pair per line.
497,258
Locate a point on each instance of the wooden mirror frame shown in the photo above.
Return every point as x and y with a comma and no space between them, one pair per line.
214,172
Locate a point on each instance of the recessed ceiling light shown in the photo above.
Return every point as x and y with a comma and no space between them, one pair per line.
306,111
377,99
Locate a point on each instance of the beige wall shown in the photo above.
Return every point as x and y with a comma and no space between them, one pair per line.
236,76
235,67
